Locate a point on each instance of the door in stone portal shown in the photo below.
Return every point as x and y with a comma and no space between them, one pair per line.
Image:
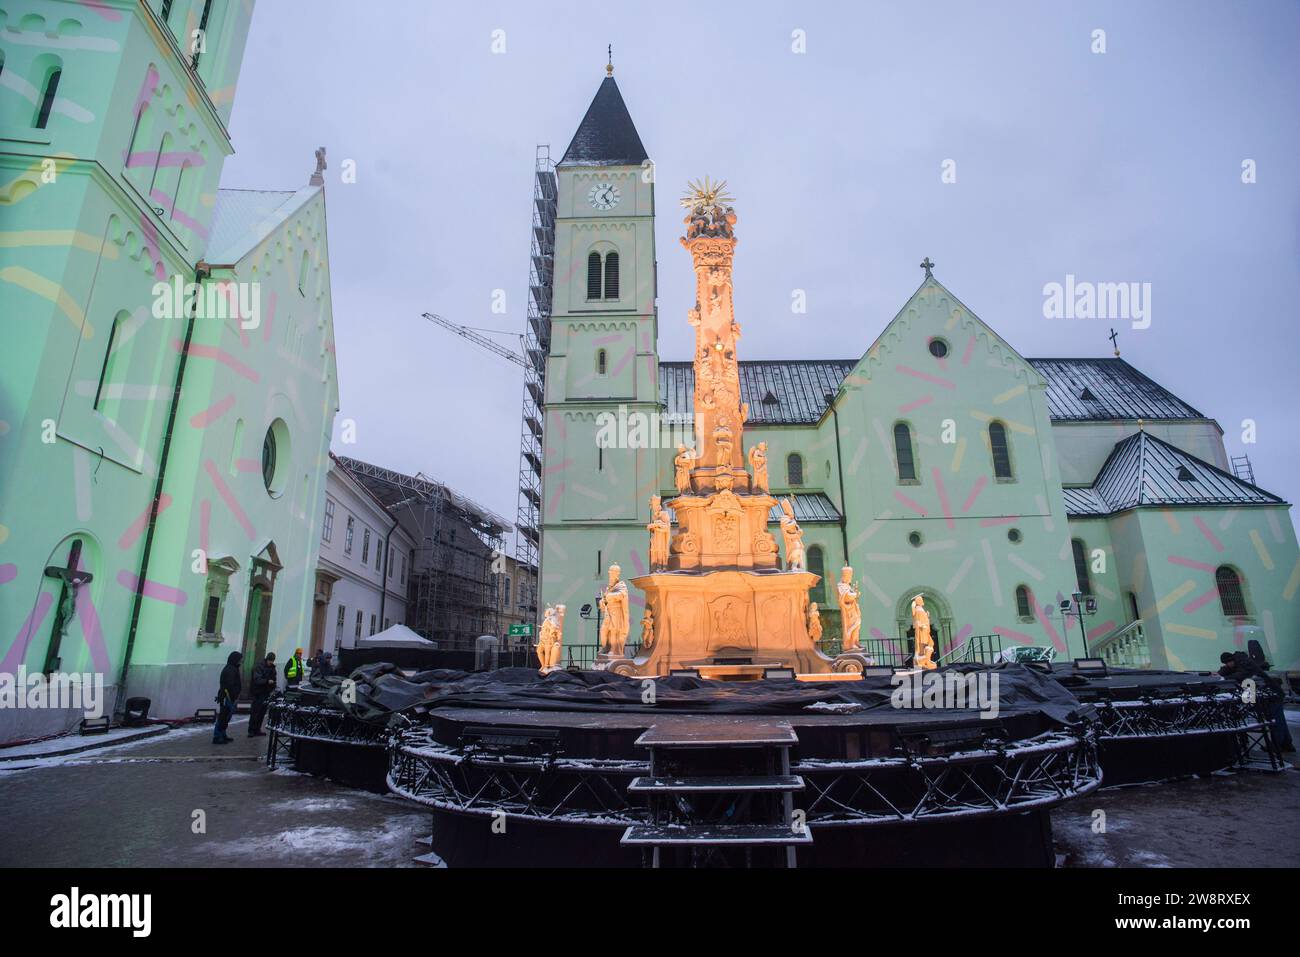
257,624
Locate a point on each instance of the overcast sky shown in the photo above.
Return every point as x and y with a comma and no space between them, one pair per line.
1124,166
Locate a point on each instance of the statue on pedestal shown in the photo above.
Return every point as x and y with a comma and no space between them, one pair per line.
850,613
616,625
660,529
793,536
647,628
758,462
550,639
682,465
923,655
814,623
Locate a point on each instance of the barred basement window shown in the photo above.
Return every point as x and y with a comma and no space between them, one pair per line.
1231,599
1001,453
593,276
903,453
1023,607
1081,565
611,276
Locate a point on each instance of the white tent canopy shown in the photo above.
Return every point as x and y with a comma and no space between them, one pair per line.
397,636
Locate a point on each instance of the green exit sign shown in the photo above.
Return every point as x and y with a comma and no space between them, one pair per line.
520,631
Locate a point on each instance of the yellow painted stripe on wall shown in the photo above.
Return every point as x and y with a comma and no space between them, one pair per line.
1174,595
1265,558
1191,632
47,289
21,238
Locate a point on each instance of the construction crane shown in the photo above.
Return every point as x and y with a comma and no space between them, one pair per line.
474,336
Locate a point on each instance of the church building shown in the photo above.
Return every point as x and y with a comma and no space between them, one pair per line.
938,461
167,382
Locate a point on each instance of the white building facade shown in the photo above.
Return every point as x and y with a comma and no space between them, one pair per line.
365,565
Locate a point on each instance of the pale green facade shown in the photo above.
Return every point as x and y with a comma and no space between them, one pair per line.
988,538
106,200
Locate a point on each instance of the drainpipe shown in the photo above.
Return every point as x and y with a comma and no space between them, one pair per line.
839,468
202,270
383,575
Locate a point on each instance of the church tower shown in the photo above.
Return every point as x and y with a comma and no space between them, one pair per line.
602,365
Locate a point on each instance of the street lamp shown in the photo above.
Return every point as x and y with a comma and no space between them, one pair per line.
1081,607
585,613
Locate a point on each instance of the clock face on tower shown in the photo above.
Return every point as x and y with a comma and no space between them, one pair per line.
604,196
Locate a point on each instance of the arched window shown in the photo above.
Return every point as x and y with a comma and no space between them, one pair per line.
611,276
111,371
1001,453
816,560
200,44
600,362
1024,607
164,146
1081,565
794,469
593,276
49,89
166,11
903,453
1231,598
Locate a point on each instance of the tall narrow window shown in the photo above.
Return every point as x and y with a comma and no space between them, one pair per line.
817,565
1023,607
601,362
593,276
365,547
180,180
166,11
347,541
164,146
611,276
1001,453
135,131
110,372
359,621
1133,606
1081,565
903,453
201,41
327,529
402,577
47,97
1231,598
302,273
338,627
794,469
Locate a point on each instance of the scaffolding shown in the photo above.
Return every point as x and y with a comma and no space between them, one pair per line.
451,584
537,343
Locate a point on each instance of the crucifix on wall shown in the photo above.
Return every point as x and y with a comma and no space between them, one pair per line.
72,577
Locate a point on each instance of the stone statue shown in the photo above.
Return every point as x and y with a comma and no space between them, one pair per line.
758,462
682,465
647,628
722,438
850,613
793,536
660,529
814,623
550,639
617,624
924,652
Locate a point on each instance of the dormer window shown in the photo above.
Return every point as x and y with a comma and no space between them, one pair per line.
1087,396
770,399
1185,474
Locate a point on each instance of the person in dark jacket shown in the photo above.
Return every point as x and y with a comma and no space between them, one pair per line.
1238,666
264,680
227,695
324,665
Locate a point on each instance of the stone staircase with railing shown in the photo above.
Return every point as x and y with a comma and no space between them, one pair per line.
1124,647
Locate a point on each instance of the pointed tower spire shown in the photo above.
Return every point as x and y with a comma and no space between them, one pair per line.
606,136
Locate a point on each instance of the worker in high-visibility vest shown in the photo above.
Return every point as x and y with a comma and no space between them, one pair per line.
293,669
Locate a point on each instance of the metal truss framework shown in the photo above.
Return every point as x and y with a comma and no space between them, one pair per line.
1028,775
287,723
1194,714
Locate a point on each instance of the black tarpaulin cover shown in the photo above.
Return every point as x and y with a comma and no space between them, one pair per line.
381,690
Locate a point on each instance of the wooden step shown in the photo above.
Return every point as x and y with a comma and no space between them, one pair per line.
718,784
713,835
720,731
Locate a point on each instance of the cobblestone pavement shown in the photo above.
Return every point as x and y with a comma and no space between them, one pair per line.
132,805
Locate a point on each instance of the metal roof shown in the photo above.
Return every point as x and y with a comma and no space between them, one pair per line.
1106,389
791,392
1145,470
606,136
244,217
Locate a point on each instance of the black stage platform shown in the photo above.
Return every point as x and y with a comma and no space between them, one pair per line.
590,769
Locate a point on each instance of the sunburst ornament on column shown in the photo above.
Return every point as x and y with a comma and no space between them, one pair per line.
706,193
